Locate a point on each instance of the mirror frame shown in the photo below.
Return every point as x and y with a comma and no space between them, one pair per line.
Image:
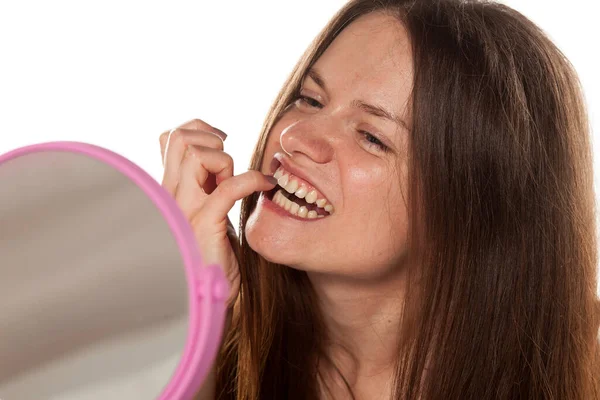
208,288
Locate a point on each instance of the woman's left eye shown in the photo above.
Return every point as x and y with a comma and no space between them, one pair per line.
370,140
373,141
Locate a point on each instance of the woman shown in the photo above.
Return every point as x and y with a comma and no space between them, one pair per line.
444,151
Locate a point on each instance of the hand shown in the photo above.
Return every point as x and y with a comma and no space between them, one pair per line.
199,175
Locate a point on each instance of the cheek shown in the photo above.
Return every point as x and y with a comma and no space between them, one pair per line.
375,182
376,207
385,234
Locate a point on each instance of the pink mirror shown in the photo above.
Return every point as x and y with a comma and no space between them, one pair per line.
103,294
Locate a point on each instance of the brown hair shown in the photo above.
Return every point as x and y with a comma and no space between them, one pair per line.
503,225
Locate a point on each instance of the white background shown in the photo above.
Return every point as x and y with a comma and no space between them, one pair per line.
118,73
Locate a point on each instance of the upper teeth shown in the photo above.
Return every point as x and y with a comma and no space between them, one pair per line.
292,185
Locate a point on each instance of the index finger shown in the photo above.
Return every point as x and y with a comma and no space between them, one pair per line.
198,124
194,124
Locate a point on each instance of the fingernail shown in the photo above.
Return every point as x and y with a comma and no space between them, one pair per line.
223,134
271,179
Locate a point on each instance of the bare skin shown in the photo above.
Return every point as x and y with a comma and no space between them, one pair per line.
356,257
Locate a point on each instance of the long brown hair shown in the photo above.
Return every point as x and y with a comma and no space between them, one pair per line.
503,225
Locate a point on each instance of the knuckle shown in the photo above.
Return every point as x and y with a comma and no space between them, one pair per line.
218,143
175,134
163,137
197,219
210,139
192,155
228,159
176,137
252,179
226,187
256,176
196,123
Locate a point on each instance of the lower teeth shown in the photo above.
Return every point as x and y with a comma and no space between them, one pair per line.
292,207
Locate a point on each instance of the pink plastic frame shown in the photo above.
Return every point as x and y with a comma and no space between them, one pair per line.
208,288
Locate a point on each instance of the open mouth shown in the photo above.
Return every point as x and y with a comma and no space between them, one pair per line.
295,205
297,197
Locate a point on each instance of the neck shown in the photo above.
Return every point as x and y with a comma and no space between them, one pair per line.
362,320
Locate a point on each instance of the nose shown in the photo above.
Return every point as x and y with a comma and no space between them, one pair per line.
313,139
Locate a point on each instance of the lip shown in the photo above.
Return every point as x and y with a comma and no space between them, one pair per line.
289,167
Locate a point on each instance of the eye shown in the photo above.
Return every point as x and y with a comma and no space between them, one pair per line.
371,140
309,101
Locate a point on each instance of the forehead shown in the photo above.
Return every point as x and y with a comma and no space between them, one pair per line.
371,60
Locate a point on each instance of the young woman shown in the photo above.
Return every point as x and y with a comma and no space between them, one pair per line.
432,231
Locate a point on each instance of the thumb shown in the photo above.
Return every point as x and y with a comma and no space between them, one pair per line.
223,198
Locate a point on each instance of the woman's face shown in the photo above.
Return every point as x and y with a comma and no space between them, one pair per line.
344,141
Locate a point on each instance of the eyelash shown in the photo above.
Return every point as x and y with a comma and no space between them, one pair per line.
367,135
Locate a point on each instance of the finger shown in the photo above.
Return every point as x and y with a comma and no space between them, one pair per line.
194,124
190,136
201,138
199,164
219,164
163,145
198,124
175,147
218,204
174,150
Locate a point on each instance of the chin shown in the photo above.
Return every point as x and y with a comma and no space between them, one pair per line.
268,248
271,244
283,240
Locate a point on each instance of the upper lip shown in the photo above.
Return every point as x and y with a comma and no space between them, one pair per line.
292,169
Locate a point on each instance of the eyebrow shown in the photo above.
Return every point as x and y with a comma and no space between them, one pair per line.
366,107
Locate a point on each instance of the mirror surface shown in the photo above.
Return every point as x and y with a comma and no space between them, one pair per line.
93,293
